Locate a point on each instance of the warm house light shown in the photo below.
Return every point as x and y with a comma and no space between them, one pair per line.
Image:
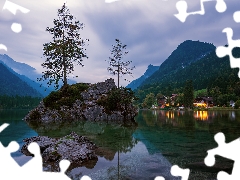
201,115
200,104
170,114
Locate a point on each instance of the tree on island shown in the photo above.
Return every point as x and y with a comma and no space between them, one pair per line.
188,94
116,65
65,49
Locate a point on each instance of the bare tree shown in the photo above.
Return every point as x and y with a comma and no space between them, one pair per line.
117,66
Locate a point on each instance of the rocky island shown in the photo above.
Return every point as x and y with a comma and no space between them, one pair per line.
102,101
77,149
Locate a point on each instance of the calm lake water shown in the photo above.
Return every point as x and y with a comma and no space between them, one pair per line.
161,139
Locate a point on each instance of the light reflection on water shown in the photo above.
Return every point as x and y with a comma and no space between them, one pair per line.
161,139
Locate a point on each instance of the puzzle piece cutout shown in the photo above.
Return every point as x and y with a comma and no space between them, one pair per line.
236,16
228,150
223,51
16,27
31,169
177,171
182,9
12,7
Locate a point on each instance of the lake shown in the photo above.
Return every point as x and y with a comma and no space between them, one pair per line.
161,139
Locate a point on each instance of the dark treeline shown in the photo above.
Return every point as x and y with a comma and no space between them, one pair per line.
18,102
209,72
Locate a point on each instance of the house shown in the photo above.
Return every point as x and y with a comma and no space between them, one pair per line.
162,102
203,102
232,103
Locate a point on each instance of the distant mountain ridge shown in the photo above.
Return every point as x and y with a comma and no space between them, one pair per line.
185,54
12,85
137,82
28,74
24,72
207,72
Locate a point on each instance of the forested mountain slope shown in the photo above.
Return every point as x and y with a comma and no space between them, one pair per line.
186,53
12,85
209,72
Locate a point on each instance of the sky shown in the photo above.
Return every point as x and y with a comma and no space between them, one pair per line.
148,28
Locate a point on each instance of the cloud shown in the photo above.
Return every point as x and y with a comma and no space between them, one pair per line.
148,28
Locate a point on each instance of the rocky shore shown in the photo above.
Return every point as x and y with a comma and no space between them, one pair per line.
77,149
86,108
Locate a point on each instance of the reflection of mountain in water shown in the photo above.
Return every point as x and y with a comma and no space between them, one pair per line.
184,137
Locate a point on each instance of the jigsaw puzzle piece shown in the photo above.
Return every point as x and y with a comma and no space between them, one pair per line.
236,16
35,164
159,178
221,6
223,176
177,171
5,153
5,125
228,150
182,6
9,164
88,178
12,7
222,51
64,164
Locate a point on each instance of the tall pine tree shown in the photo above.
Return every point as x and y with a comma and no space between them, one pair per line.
188,97
65,50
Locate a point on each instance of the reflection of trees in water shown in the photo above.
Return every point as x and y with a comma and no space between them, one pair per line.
12,114
213,121
110,138
184,139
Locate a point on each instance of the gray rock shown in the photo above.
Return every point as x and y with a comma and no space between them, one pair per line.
77,149
88,109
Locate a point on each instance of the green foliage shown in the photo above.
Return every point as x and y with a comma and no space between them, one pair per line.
201,93
65,50
149,101
237,104
35,115
118,99
180,99
66,96
11,85
188,96
208,72
186,54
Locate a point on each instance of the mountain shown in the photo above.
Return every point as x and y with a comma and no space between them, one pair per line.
137,82
12,85
186,53
207,72
27,74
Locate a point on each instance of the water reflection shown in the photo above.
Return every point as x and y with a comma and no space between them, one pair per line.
187,118
161,139
184,137
111,139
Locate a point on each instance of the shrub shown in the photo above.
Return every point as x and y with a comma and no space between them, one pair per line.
237,104
35,115
118,99
67,95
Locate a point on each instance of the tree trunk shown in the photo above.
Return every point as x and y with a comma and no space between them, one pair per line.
64,61
118,74
64,72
